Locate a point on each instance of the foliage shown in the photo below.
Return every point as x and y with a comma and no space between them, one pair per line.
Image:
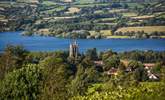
92,54
134,65
144,56
112,62
56,78
24,83
85,76
34,15
12,58
54,75
147,91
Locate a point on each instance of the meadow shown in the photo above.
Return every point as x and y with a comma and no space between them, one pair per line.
146,29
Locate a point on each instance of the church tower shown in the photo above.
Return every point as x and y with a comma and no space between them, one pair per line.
73,49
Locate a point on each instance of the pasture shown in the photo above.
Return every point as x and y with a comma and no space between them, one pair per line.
73,10
102,32
117,37
143,17
129,14
146,29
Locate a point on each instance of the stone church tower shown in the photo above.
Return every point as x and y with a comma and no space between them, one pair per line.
73,50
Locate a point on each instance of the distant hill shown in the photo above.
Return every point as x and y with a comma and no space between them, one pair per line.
96,1
84,1
84,18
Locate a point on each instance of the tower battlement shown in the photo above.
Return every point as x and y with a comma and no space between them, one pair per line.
73,49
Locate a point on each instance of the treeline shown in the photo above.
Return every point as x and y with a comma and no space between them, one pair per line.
54,75
17,17
140,34
144,56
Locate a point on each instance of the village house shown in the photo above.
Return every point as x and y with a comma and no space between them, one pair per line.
112,71
99,63
148,65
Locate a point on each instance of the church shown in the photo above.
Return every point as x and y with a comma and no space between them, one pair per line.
73,49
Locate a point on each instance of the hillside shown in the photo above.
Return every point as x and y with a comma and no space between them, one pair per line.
83,18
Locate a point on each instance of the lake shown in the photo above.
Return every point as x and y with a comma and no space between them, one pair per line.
41,43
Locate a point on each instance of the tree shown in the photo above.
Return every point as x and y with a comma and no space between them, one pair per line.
57,74
24,83
140,74
107,54
163,74
157,68
78,84
113,61
134,65
139,92
85,76
121,66
92,54
12,58
125,6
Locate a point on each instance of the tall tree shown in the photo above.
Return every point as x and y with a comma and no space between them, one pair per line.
24,83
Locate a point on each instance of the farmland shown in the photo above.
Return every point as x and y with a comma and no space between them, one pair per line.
82,49
146,29
88,18
73,10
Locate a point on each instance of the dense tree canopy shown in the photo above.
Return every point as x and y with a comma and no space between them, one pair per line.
54,75
24,83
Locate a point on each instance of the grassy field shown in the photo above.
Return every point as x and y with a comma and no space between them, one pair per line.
5,4
162,36
102,32
99,11
108,19
73,10
143,17
112,24
118,37
58,18
146,29
90,5
59,8
84,1
2,17
132,23
49,3
129,14
44,30
132,5
106,32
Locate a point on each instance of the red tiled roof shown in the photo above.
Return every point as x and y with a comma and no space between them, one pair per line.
149,64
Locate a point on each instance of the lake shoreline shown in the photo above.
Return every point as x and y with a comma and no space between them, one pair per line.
45,43
108,37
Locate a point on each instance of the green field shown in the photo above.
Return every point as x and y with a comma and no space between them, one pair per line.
118,37
85,1
49,3
102,32
129,14
108,19
162,36
90,5
143,17
146,29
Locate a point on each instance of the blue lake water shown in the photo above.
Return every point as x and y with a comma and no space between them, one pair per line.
38,43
